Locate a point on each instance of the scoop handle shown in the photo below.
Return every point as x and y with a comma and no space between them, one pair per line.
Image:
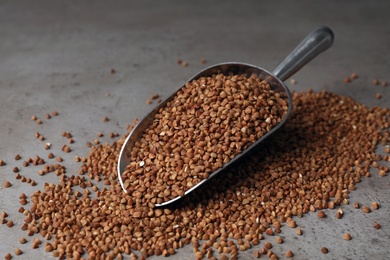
316,42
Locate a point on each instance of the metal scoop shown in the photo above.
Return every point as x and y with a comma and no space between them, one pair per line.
316,42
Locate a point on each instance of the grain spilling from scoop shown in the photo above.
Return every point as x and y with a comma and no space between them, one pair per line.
331,146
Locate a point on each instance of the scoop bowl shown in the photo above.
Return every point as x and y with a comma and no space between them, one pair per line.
316,42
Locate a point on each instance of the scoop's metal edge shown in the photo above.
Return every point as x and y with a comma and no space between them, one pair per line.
122,156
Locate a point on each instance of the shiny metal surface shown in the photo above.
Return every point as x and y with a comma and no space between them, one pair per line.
315,43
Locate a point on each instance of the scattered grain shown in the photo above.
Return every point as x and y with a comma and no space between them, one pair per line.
8,256
339,213
375,205
324,250
269,232
279,240
66,149
36,242
7,184
293,81
18,251
18,157
4,214
289,254
321,214
292,224
377,225
182,63
384,83
22,240
347,236
366,209
267,245
313,134
347,80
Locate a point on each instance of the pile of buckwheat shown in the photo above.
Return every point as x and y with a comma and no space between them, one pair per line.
208,122
312,163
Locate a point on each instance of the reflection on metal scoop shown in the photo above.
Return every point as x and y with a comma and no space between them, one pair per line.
316,42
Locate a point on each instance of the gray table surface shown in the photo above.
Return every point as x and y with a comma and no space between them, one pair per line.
58,56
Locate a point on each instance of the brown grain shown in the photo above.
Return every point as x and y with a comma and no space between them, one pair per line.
7,184
267,245
237,207
339,213
321,214
289,254
366,209
18,251
375,205
377,225
279,240
256,254
347,236
324,250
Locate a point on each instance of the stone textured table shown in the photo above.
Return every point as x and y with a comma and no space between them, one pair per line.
60,56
